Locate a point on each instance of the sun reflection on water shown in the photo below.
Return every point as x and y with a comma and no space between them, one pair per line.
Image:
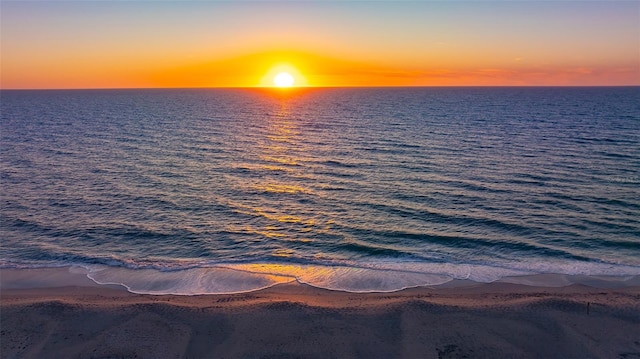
280,205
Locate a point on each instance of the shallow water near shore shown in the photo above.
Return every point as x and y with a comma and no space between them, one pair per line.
206,281
234,190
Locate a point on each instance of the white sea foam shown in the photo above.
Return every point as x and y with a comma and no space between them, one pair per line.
193,281
351,279
372,277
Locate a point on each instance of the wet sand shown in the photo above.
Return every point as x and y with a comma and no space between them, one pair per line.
297,321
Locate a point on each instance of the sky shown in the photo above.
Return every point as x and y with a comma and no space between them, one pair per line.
168,44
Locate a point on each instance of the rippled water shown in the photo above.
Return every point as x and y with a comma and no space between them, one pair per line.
198,191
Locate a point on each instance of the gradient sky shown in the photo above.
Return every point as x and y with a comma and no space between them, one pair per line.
122,44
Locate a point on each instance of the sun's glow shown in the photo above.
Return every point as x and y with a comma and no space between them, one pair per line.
283,75
283,79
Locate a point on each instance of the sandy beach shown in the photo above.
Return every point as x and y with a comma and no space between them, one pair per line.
497,320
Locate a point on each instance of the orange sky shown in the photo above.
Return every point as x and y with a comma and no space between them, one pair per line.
225,44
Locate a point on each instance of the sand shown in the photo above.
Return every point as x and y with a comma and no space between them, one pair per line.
298,321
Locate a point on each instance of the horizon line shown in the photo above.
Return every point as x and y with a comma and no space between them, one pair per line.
293,88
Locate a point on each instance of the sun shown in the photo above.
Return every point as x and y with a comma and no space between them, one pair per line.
283,76
283,79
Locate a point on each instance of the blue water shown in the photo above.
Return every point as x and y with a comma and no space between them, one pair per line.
223,190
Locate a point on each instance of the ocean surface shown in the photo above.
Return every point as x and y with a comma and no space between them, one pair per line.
195,191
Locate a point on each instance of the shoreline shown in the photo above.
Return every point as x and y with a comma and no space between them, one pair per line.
479,295
188,283
292,320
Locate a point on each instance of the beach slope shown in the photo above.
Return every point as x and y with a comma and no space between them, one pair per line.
298,321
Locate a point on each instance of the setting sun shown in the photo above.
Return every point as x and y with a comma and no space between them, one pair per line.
283,79
284,75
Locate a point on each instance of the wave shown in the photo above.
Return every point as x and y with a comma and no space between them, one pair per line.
202,278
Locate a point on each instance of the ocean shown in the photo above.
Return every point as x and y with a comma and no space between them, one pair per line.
195,191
